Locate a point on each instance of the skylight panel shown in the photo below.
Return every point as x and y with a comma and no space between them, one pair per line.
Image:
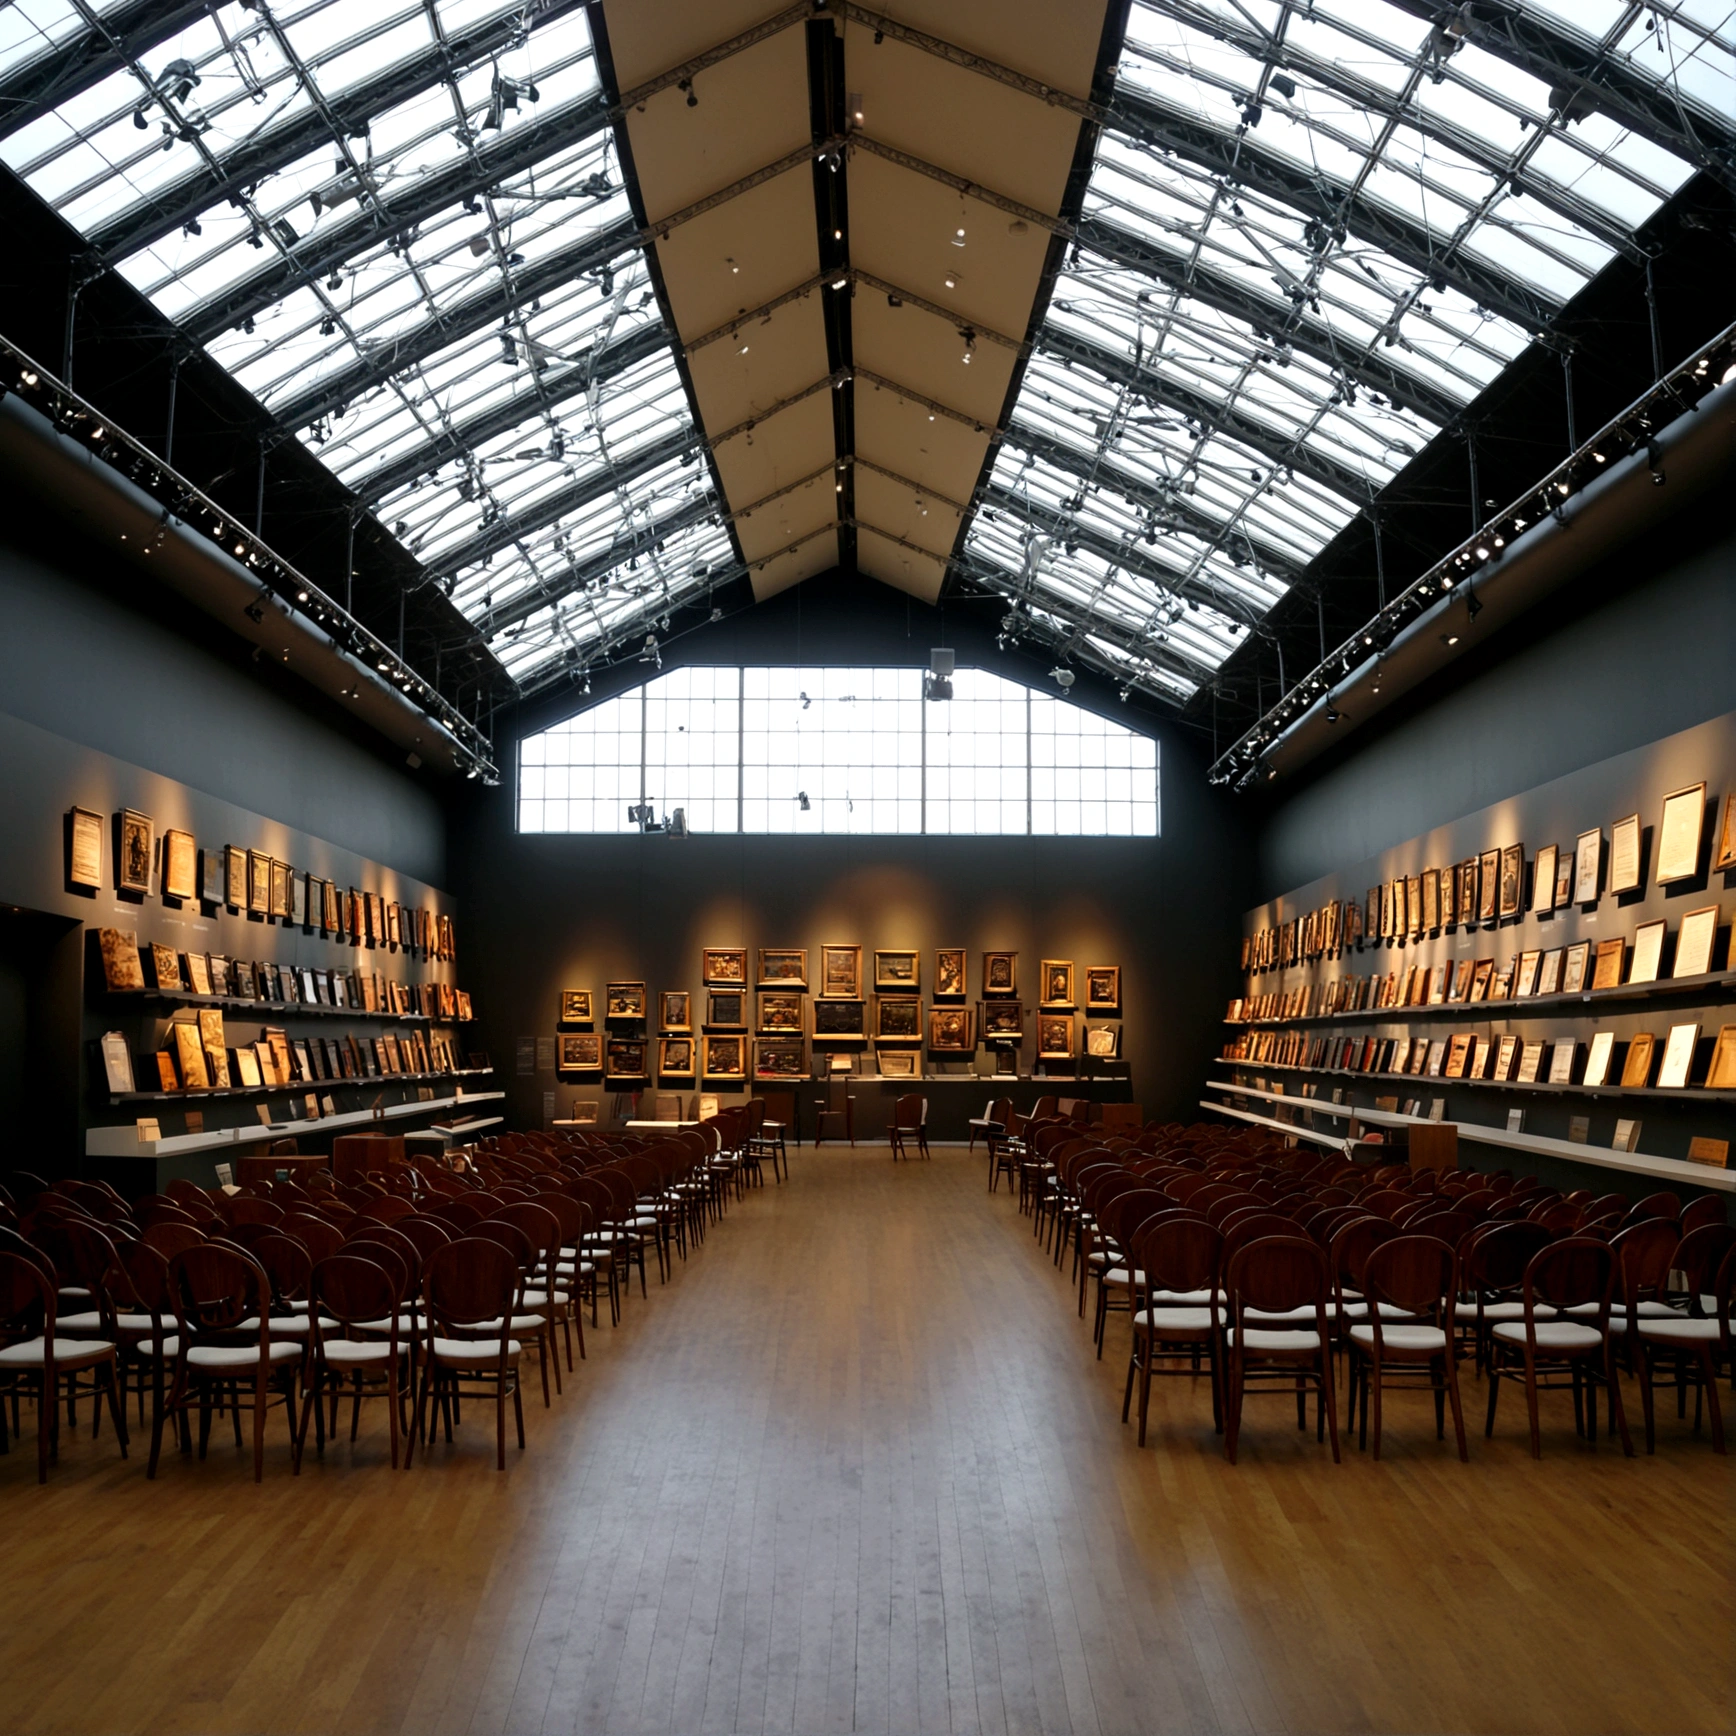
32,30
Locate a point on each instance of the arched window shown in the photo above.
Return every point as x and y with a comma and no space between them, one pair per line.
809,751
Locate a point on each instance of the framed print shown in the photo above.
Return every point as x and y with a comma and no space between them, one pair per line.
780,1012
1543,879
258,883
1525,982
1587,866
780,1058
1549,972
836,1020
1002,1021
281,874
726,1010
246,1066
675,1010
84,852
1678,1058
1431,899
907,1063
1679,835
1489,886
1102,988
840,973
624,1000
1458,1053
579,1052
234,877
1056,976
951,1031
1413,905
180,865
1561,1060
1597,1058
1636,1071
624,1057
575,1006
1694,942
1000,973
1482,1053
211,876
897,970
1103,1042
1624,855
1648,951
725,1057
1371,919
198,973
1574,966
1506,1055
723,967
1721,1075
1054,1036
331,914
675,1057
898,1018
166,969
949,971
133,851
1610,956
1530,1060
1725,855
1481,977
1563,879
783,967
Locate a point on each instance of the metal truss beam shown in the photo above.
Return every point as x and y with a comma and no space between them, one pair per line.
600,362
459,321
1332,201
1268,314
1581,70
90,55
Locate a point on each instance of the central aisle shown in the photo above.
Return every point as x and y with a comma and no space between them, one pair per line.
856,1469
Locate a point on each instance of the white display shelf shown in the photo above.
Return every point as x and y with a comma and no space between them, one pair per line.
125,1142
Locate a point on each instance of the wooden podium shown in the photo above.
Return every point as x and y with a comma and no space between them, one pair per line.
1434,1145
354,1154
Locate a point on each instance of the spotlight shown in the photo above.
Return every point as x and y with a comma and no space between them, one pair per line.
1062,677
1473,605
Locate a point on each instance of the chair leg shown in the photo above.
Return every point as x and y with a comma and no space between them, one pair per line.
1233,1405
1373,1375
1531,1402
1329,1388
1709,1384
260,1391
1643,1372
1452,1373
1494,1392
1615,1404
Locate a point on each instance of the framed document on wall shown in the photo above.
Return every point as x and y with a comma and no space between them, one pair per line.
1679,835
1598,1058
133,852
1543,879
84,852
1648,951
258,884
1694,942
1588,866
1725,855
1678,1057
180,865
1512,880
1624,855
1489,886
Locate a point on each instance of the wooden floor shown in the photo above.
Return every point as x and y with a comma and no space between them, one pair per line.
855,1468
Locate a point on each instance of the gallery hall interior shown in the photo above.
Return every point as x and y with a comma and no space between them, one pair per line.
867,870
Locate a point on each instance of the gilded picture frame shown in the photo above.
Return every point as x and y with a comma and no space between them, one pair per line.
624,1000
898,970
1000,973
898,1018
951,1031
626,1057
579,1052
1056,977
726,1010
576,1007
951,972
840,973
723,967
840,1021
1102,988
133,851
781,1012
780,1058
180,865
1054,1036
725,1057
1679,834
783,967
675,1010
677,1057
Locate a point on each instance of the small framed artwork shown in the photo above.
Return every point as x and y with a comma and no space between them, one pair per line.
258,883
726,1010
1103,986
1530,1060
1489,886
1481,977
1678,1058
1003,1021
1000,973
624,1057
951,1031
780,1012
1543,879
1588,866
84,852
1431,899
950,971
1549,972
1525,982
211,877
1563,879
575,1006
675,1010
1054,1036
1679,835
1624,855
898,1018
1413,903
1506,1054
579,1052
624,1000
133,851
1721,1075
1574,966
180,865
1610,957
166,969
1103,1042
840,973
198,973
907,1063
783,967
234,877
726,1057
840,1021
1648,951
675,1057
1561,1061
1694,942
779,1058
1458,1053
1512,881
1057,980
281,876
898,971
1597,1059
1636,1071
723,967
1725,855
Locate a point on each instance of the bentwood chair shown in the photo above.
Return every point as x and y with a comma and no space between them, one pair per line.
1410,1285
1178,1307
346,1291
1279,1277
1698,1344
909,1125
471,1286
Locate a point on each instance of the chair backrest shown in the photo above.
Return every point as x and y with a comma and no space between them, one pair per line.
1570,1274
1644,1255
471,1280
910,1111
1277,1274
1178,1251
1707,1209
215,1286
1500,1254
320,1236
1354,1241
288,1265
355,1288
461,1212
388,1210
1254,1227
425,1234
1418,1273
540,1227
511,1238
27,1297
1657,1205
245,1209
172,1239
1699,1256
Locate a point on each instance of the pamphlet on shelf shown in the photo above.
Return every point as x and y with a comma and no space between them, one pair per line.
1579,1129
264,1113
1627,1136
225,1176
149,1130
1713,1152
1438,1109
1515,1120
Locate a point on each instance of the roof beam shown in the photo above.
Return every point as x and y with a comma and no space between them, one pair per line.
458,321
1579,69
90,55
1316,194
601,362
1233,423
1281,319
1178,512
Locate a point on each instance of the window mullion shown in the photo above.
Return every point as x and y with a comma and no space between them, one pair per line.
740,749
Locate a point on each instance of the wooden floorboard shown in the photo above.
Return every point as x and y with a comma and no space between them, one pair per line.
856,1468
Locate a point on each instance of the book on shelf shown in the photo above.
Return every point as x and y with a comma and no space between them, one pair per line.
117,1060
1627,1136
123,973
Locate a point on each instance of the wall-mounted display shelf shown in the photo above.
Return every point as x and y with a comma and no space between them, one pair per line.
276,1009
1714,986
1538,1088
125,1142
299,1087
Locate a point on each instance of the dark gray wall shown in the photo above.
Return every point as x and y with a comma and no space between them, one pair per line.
573,912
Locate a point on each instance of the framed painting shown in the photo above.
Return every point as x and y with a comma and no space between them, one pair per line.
898,970
951,1031
624,1000
1725,855
1625,867
907,1063
1102,988
950,971
783,967
1489,886
1587,866
840,973
1054,1036
780,1012
1431,899
1512,882
723,967
1003,1021
1056,975
780,1058
575,1006
180,865
726,1010
675,1057
675,1010
725,1057
281,876
840,1021
1000,973
1679,834
258,883
1103,1042
898,1018
1543,879
578,1052
624,1057
133,851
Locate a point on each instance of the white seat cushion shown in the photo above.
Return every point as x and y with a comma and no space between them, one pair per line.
406,1324
1504,1311
348,1352
572,1268
542,1299
1359,1311
1181,1298
1272,1340
1118,1275
1552,1334
1618,1312
1158,1321
29,1353
73,1324
1305,1312
1429,1338
239,1356
1680,1330
140,1350
480,1353
519,1323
